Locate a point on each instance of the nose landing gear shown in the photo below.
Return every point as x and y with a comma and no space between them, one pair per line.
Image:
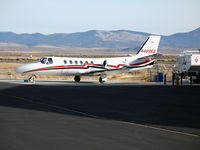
31,79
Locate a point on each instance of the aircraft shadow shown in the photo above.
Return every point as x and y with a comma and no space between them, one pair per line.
166,106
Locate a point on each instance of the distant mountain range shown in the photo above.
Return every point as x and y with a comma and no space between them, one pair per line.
102,39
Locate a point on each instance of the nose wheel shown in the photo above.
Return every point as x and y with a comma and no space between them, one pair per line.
30,79
77,78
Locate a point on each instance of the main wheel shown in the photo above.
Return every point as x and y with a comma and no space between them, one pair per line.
102,80
77,78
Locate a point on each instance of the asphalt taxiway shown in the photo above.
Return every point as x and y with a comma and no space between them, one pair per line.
89,115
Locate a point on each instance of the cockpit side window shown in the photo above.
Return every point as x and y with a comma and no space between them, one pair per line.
50,60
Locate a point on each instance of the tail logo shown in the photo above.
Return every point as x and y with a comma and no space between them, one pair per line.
148,51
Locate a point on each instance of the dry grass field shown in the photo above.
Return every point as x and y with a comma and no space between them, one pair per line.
8,61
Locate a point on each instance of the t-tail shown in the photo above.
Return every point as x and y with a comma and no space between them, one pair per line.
149,48
146,55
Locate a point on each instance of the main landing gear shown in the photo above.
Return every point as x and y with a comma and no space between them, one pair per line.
77,78
102,80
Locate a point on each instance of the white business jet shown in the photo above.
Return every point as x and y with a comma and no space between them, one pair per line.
102,67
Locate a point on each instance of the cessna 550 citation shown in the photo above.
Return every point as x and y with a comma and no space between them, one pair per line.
102,67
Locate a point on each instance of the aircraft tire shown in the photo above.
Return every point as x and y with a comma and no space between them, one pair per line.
77,78
101,80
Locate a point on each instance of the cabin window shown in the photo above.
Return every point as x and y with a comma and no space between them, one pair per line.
92,62
86,62
50,60
65,62
81,62
70,61
76,62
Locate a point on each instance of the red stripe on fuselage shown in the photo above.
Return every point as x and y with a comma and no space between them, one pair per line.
78,66
98,65
45,68
115,66
63,66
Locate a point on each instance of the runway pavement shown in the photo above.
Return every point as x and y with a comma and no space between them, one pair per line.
89,115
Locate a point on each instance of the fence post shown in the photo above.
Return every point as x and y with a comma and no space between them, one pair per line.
165,79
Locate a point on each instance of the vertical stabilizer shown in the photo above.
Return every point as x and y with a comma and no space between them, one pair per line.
150,47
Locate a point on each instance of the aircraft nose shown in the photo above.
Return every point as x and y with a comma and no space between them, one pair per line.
22,68
19,69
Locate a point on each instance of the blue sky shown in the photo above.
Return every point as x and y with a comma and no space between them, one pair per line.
66,16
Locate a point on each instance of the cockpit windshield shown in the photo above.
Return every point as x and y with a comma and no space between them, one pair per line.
43,60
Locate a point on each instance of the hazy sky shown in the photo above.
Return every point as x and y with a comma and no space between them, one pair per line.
55,16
